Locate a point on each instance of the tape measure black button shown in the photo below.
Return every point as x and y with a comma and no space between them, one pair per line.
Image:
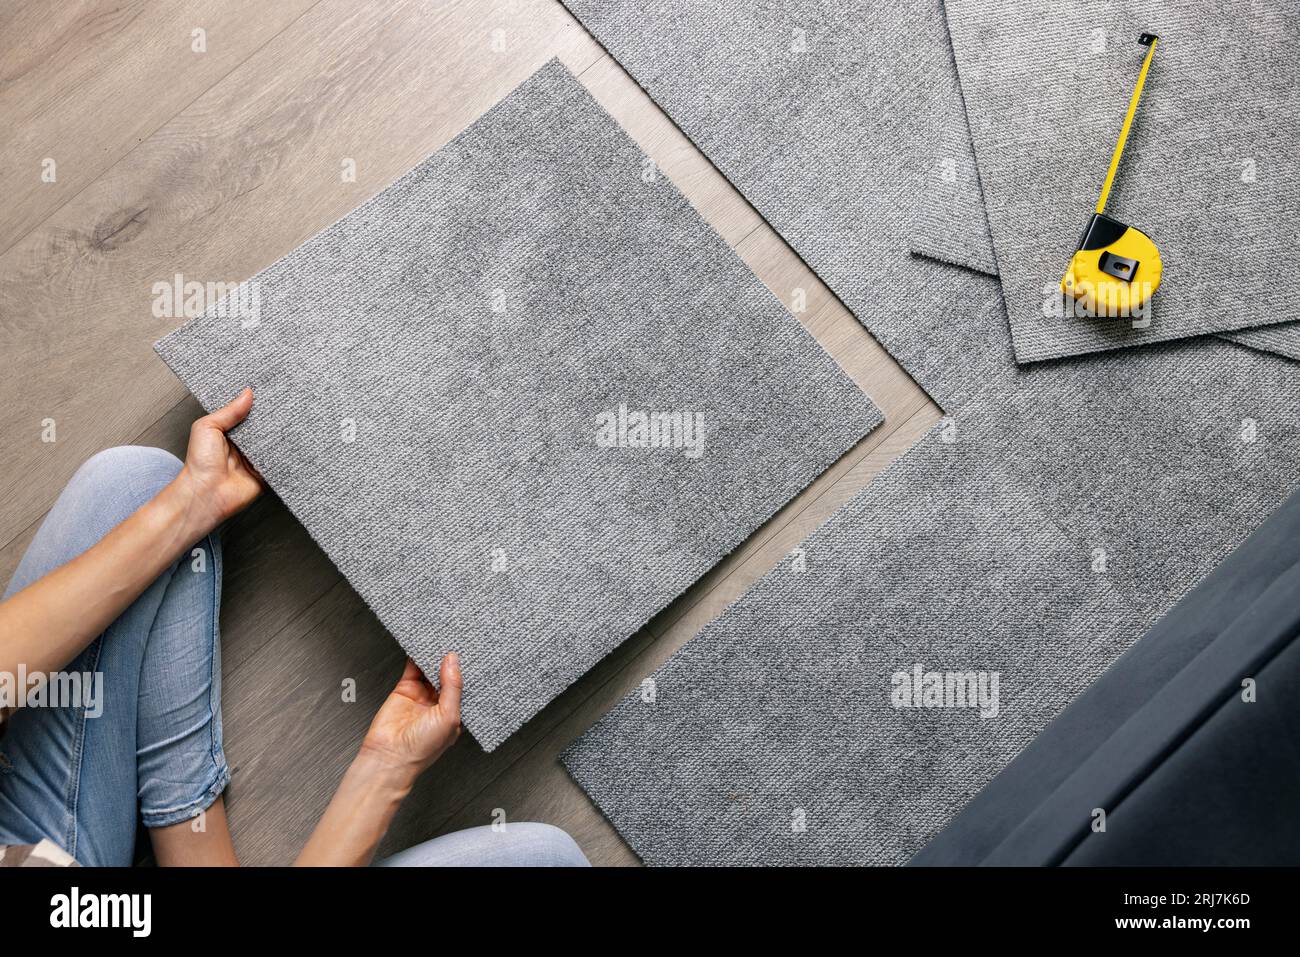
1121,267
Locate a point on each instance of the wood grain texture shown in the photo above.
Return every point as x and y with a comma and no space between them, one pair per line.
222,182
83,83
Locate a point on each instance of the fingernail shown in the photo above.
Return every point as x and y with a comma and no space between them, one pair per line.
453,660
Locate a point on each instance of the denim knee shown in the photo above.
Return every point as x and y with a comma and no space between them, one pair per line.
104,492
518,844
551,846
128,475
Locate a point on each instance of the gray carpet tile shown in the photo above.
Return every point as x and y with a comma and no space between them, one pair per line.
777,95
1282,339
950,223
1081,499
430,373
1212,170
772,737
1065,518
1167,457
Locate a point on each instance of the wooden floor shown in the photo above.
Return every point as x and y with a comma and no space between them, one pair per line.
214,163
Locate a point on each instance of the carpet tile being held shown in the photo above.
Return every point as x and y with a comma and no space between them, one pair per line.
523,397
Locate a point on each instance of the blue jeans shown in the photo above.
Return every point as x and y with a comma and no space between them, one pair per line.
515,845
154,752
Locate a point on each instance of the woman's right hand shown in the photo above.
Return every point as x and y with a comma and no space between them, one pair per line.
417,722
414,726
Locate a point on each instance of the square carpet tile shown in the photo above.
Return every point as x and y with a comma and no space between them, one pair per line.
825,117
523,397
1211,171
1013,555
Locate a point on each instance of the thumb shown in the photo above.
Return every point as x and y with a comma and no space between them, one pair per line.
450,684
229,416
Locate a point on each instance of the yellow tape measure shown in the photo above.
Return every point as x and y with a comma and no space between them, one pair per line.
1117,267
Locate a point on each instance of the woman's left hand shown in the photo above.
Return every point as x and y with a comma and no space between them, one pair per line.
217,480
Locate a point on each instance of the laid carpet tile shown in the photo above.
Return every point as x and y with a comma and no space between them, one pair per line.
1282,339
450,383
1067,516
804,109
1212,170
1062,521
774,737
1161,460
949,223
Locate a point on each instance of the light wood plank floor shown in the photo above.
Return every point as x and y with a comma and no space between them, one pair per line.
207,138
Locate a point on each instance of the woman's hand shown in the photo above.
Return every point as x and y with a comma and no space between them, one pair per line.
417,722
48,623
217,480
414,726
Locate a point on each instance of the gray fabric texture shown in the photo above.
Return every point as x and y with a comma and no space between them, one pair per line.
1211,173
949,221
777,95
1147,733
1079,502
778,716
1282,339
771,737
470,323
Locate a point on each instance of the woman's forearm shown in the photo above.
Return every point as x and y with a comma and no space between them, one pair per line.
413,727
48,623
359,814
